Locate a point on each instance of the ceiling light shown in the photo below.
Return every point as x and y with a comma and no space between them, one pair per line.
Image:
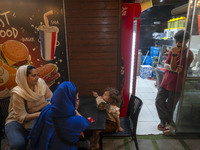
156,22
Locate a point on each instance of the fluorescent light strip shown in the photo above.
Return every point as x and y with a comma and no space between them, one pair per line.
132,63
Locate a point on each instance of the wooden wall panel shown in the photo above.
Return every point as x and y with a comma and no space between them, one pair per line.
94,43
97,49
91,21
91,5
92,28
90,36
90,1
92,13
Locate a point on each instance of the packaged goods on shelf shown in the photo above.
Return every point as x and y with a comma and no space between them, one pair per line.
147,60
173,26
181,22
154,51
145,71
166,33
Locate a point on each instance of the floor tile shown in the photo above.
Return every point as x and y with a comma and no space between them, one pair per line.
152,109
146,96
113,144
142,144
146,128
146,83
144,89
148,118
138,95
145,114
149,101
169,144
193,144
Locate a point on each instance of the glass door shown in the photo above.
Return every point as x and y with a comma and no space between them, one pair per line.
187,114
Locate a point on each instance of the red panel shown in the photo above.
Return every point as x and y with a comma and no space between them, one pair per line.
130,10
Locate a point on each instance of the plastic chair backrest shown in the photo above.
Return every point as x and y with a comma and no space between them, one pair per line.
130,103
134,107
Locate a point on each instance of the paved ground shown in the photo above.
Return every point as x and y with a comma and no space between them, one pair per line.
148,118
152,142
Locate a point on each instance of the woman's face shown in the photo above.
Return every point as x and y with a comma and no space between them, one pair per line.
77,101
32,78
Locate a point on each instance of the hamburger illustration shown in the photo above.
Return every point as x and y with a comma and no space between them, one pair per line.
7,79
14,53
48,73
1,74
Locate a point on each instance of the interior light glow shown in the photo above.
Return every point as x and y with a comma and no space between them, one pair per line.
161,1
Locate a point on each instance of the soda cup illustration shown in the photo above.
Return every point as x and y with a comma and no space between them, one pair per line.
48,38
48,41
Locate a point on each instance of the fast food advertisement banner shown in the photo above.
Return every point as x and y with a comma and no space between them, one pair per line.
32,32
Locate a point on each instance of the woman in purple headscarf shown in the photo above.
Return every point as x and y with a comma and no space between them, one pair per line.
69,122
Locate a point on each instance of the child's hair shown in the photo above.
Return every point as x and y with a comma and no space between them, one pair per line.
115,97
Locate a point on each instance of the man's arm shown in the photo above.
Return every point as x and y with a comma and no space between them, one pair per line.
173,63
168,61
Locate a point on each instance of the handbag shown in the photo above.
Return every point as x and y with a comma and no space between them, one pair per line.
82,144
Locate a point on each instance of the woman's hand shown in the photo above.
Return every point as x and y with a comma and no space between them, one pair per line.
37,108
82,134
37,114
77,113
77,104
32,116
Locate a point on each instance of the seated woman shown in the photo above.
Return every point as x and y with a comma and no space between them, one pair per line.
27,100
68,121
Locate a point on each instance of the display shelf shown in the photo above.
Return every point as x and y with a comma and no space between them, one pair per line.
161,42
194,42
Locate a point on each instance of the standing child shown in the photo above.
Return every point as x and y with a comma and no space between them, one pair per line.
113,100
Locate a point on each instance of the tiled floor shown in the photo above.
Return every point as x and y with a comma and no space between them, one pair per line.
153,143
148,118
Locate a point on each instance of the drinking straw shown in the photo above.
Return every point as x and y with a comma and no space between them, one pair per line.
46,21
